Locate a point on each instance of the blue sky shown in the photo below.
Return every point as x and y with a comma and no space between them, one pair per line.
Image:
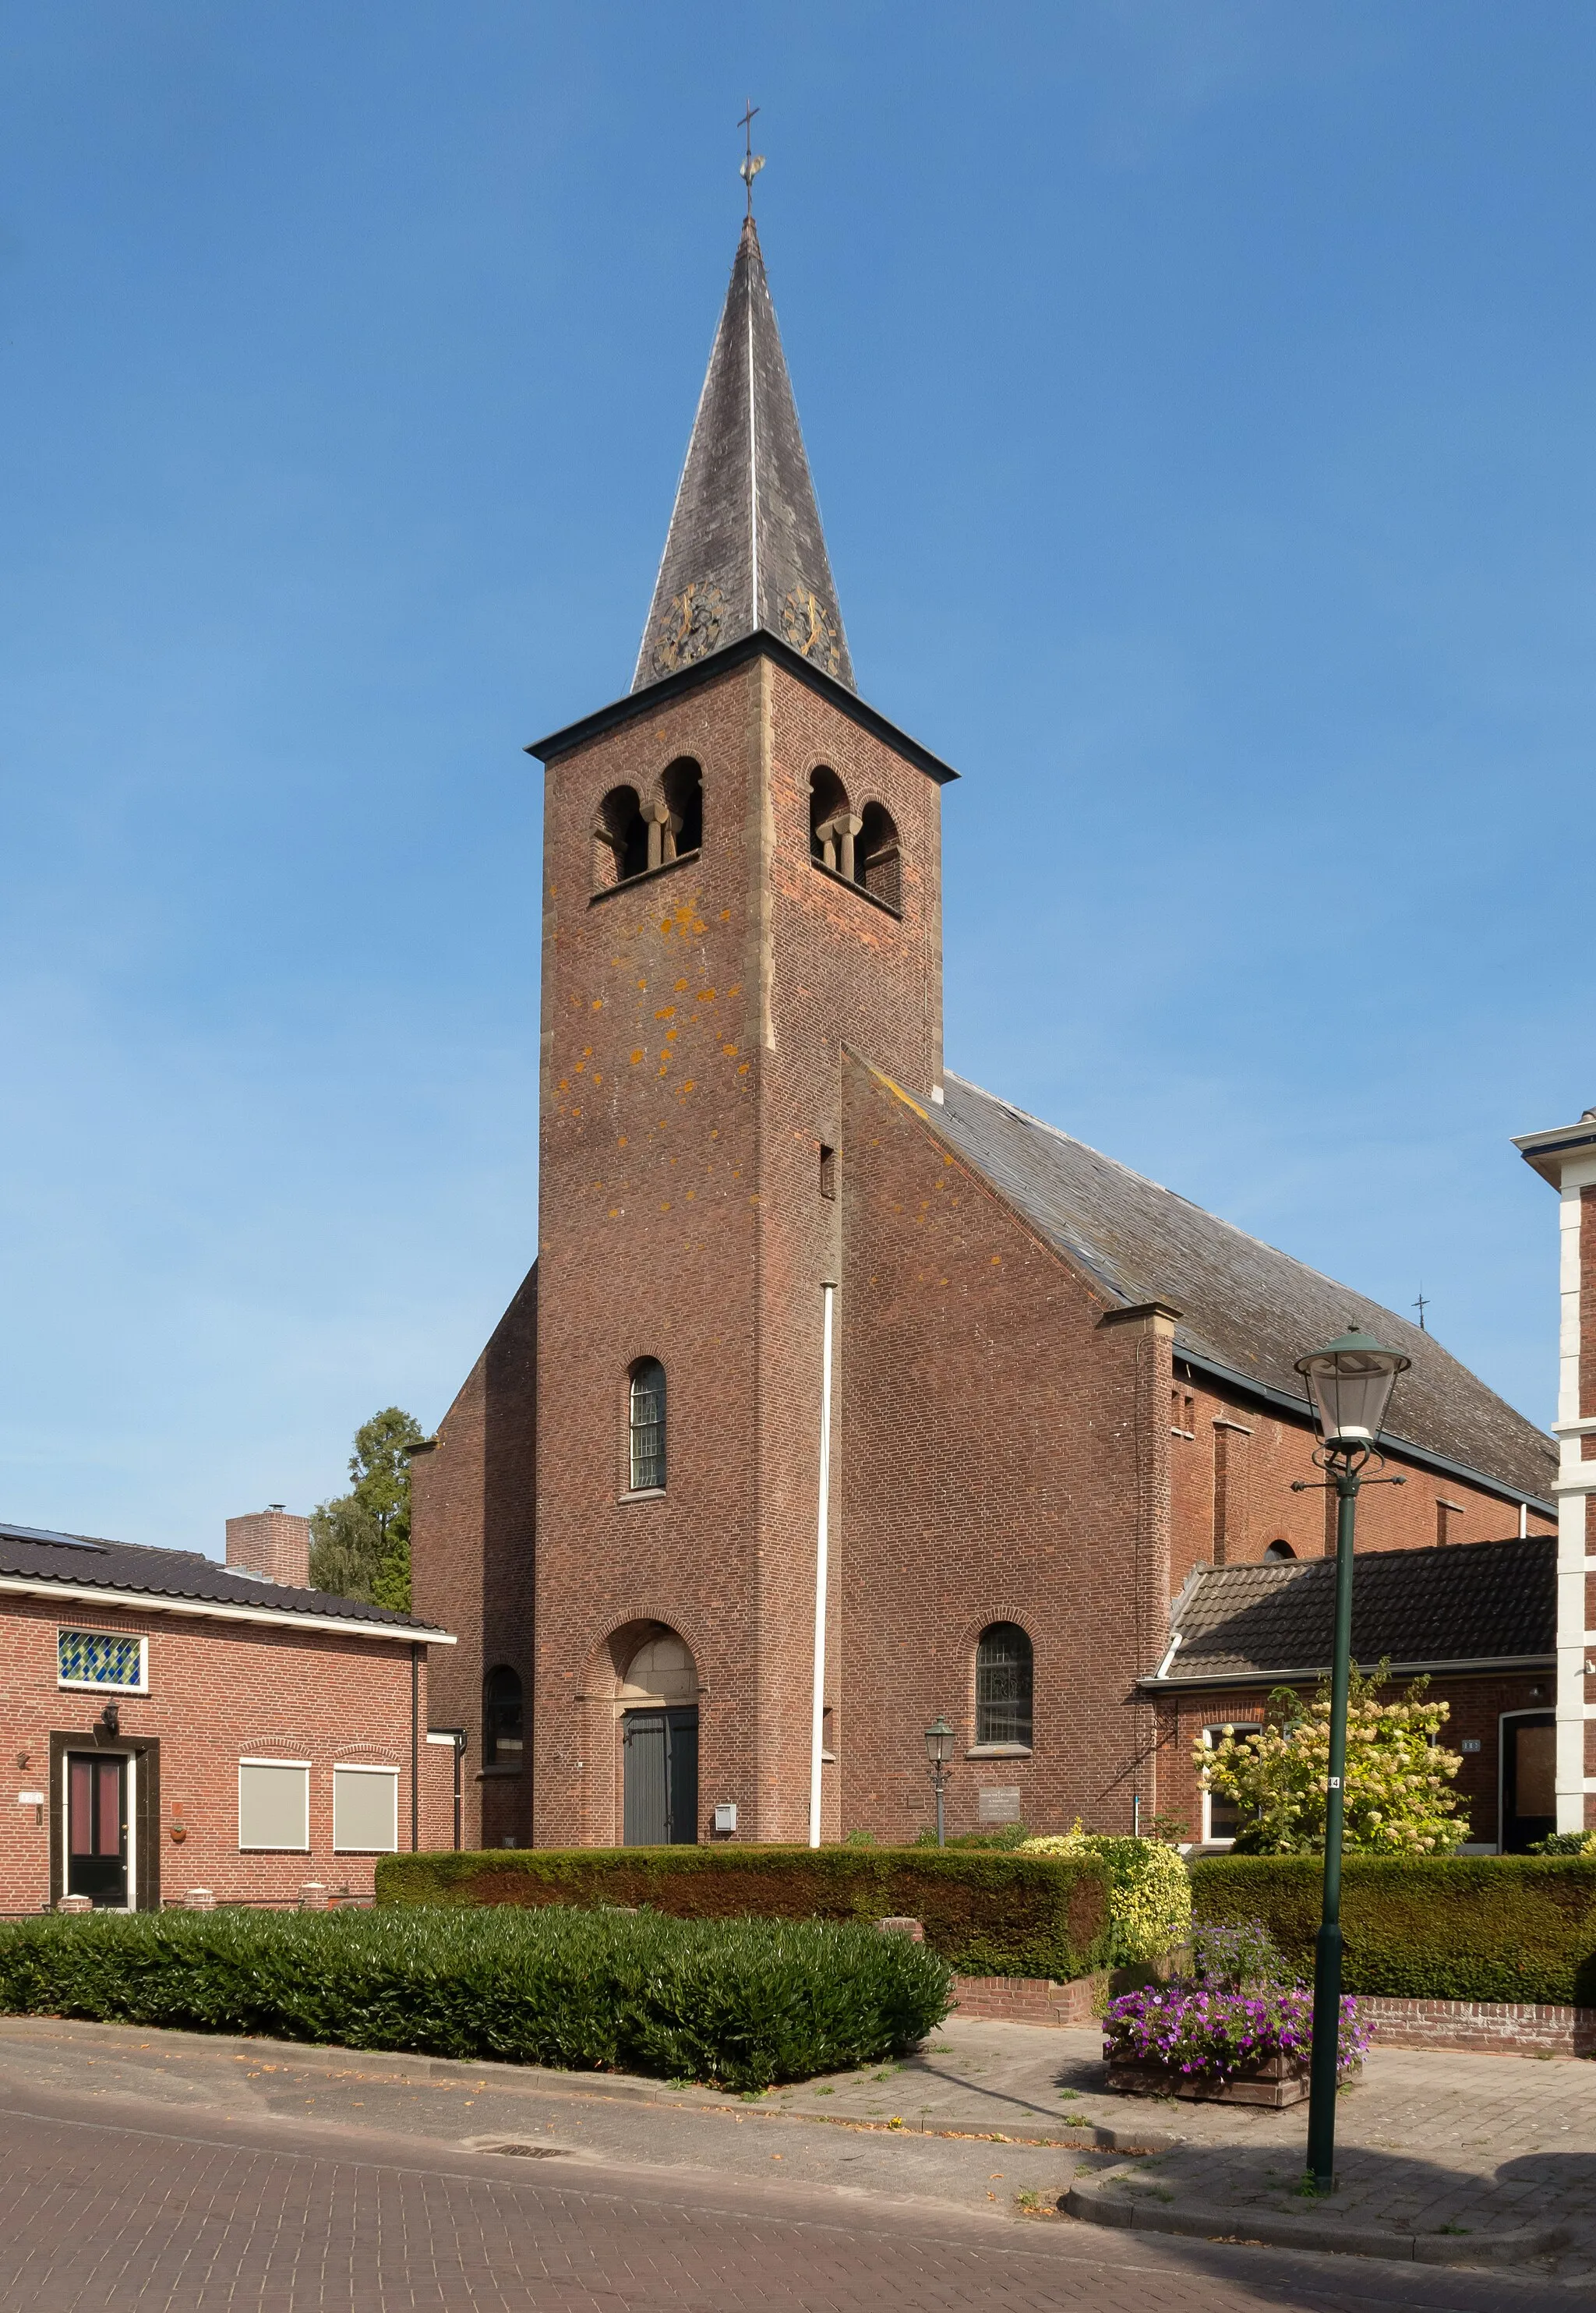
1199,399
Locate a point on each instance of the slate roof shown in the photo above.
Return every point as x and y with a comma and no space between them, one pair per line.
1244,1308
82,1562
745,549
1479,1602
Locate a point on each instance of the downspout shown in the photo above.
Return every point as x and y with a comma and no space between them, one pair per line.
817,1737
415,1746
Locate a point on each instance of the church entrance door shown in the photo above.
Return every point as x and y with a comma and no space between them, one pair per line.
660,1756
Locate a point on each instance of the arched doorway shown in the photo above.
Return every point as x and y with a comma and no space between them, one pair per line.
659,1734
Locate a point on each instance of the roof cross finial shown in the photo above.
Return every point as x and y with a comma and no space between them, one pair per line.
1421,1305
751,162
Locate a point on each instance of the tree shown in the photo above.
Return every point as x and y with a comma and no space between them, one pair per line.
360,1542
1396,1796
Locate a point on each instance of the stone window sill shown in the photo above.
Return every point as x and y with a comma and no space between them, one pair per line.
998,1750
835,875
644,875
643,1494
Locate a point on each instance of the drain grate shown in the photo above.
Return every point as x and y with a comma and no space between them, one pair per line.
521,2151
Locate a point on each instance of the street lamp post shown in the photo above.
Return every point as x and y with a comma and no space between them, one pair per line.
939,1750
1350,1382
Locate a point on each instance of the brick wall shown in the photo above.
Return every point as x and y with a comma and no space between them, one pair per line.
1001,1460
1231,1475
218,1691
472,1526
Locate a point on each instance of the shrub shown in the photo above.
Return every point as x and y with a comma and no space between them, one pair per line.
1565,1842
1397,1799
742,2003
1462,1927
1149,1891
984,1914
1200,2028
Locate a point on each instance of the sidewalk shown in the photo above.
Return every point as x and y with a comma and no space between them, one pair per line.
1443,2157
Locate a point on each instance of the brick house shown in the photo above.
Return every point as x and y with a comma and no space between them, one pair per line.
842,1394
169,1723
1477,1622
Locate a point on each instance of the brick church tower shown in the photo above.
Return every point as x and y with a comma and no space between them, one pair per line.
742,865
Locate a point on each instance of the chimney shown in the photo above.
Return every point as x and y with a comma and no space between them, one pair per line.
271,1544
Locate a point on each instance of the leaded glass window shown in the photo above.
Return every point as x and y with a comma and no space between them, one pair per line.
1002,1685
108,1659
648,1424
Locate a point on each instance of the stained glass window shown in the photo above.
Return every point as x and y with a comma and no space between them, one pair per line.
1002,1685
99,1658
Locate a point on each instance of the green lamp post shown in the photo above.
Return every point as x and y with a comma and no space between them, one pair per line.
1350,1382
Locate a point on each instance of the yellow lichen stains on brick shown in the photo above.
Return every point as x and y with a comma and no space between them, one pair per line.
667,1012
689,1085
621,1142
997,1261
705,996
598,1079
742,1071
947,1160
672,1035
681,986
636,1058
597,1004
730,1051
725,915
565,1085
615,1212
666,1205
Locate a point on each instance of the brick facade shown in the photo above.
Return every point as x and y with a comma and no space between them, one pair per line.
219,1691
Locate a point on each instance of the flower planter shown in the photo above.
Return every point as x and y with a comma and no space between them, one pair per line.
1275,2082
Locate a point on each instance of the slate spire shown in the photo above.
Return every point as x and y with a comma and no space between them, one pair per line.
745,548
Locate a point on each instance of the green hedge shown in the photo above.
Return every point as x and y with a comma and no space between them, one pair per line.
986,1914
1455,1927
742,2003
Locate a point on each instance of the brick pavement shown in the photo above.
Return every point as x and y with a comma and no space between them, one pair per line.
99,2216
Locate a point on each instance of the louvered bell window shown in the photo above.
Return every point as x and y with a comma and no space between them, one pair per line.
1002,1685
648,1425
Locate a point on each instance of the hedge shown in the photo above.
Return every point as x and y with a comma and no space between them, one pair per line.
985,1913
1454,1927
1149,1892
742,2003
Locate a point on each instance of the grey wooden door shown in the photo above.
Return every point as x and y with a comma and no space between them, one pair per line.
660,1778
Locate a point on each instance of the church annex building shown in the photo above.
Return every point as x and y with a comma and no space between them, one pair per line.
843,1395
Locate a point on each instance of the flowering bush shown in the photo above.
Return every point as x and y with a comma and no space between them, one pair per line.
1201,2030
1149,1891
1396,1797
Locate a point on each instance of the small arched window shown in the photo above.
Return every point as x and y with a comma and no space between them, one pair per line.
1280,1550
647,1408
683,790
1004,1679
829,821
875,854
501,1718
620,839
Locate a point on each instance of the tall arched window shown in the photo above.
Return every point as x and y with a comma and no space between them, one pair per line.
1002,1685
875,854
501,1718
620,839
683,790
827,808
648,1425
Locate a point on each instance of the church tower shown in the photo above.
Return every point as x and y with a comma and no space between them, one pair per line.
741,868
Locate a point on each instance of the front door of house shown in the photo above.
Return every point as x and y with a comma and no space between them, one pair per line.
660,1778
97,1828
1529,1780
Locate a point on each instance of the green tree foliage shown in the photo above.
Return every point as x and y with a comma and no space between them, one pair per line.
360,1542
1397,1799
